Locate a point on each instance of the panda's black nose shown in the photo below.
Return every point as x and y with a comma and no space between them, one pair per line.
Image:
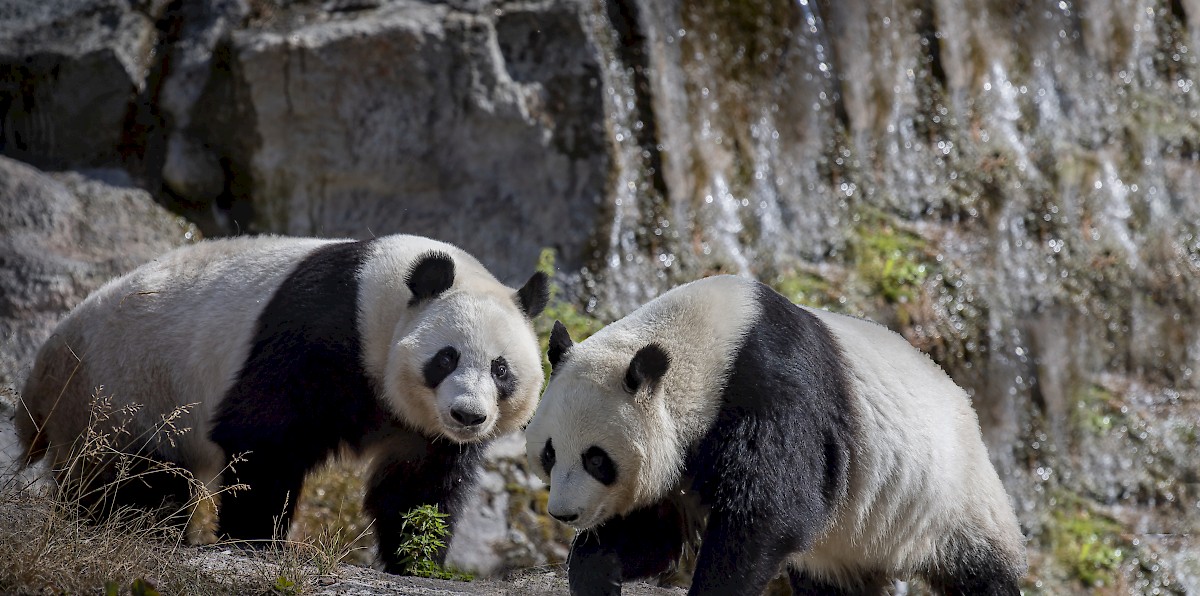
566,518
467,417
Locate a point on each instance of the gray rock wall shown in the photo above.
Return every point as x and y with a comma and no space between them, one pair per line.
482,129
62,236
70,72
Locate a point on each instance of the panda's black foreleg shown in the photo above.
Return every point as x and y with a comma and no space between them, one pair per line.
262,511
646,543
436,472
736,558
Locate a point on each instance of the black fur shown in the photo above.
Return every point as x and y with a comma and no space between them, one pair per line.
773,465
599,465
303,392
534,295
440,366
646,368
645,543
430,276
785,409
804,584
504,377
979,569
142,481
560,344
424,472
548,457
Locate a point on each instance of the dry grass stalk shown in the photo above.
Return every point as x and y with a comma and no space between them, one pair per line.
74,537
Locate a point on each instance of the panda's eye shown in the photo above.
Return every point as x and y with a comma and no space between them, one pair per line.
440,366
447,357
599,465
500,368
548,457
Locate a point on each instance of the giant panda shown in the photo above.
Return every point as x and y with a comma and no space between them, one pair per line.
272,352
785,438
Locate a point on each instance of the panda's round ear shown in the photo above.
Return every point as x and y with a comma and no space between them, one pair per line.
560,343
646,368
534,295
432,275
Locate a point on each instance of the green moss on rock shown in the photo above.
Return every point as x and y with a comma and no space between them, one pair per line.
1088,545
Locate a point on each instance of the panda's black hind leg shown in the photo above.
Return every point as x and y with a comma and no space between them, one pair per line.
414,471
975,586
262,511
979,569
804,584
130,482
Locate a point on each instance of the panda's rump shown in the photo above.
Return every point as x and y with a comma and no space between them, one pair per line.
919,469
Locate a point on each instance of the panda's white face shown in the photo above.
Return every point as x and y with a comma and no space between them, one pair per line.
584,453
636,394
603,448
466,368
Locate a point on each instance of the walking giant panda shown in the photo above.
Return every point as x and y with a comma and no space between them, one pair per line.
802,439
283,349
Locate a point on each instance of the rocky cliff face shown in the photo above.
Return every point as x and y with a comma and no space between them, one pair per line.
61,237
1014,187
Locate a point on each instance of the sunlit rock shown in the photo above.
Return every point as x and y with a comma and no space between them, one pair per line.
62,236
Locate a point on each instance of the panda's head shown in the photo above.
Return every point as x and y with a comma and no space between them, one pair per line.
466,364
602,436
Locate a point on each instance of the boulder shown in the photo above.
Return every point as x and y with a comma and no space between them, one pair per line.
61,237
479,125
189,168
70,71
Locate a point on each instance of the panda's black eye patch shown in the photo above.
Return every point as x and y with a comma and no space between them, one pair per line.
599,465
506,381
440,366
548,457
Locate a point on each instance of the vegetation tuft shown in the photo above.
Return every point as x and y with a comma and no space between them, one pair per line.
1089,545
891,261
425,531
578,322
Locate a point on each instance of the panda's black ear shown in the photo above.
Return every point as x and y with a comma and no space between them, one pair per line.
560,343
533,296
432,275
646,368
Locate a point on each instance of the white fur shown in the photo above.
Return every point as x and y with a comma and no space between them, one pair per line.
699,325
171,333
478,315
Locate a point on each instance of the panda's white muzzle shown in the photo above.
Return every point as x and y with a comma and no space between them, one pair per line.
467,407
576,498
